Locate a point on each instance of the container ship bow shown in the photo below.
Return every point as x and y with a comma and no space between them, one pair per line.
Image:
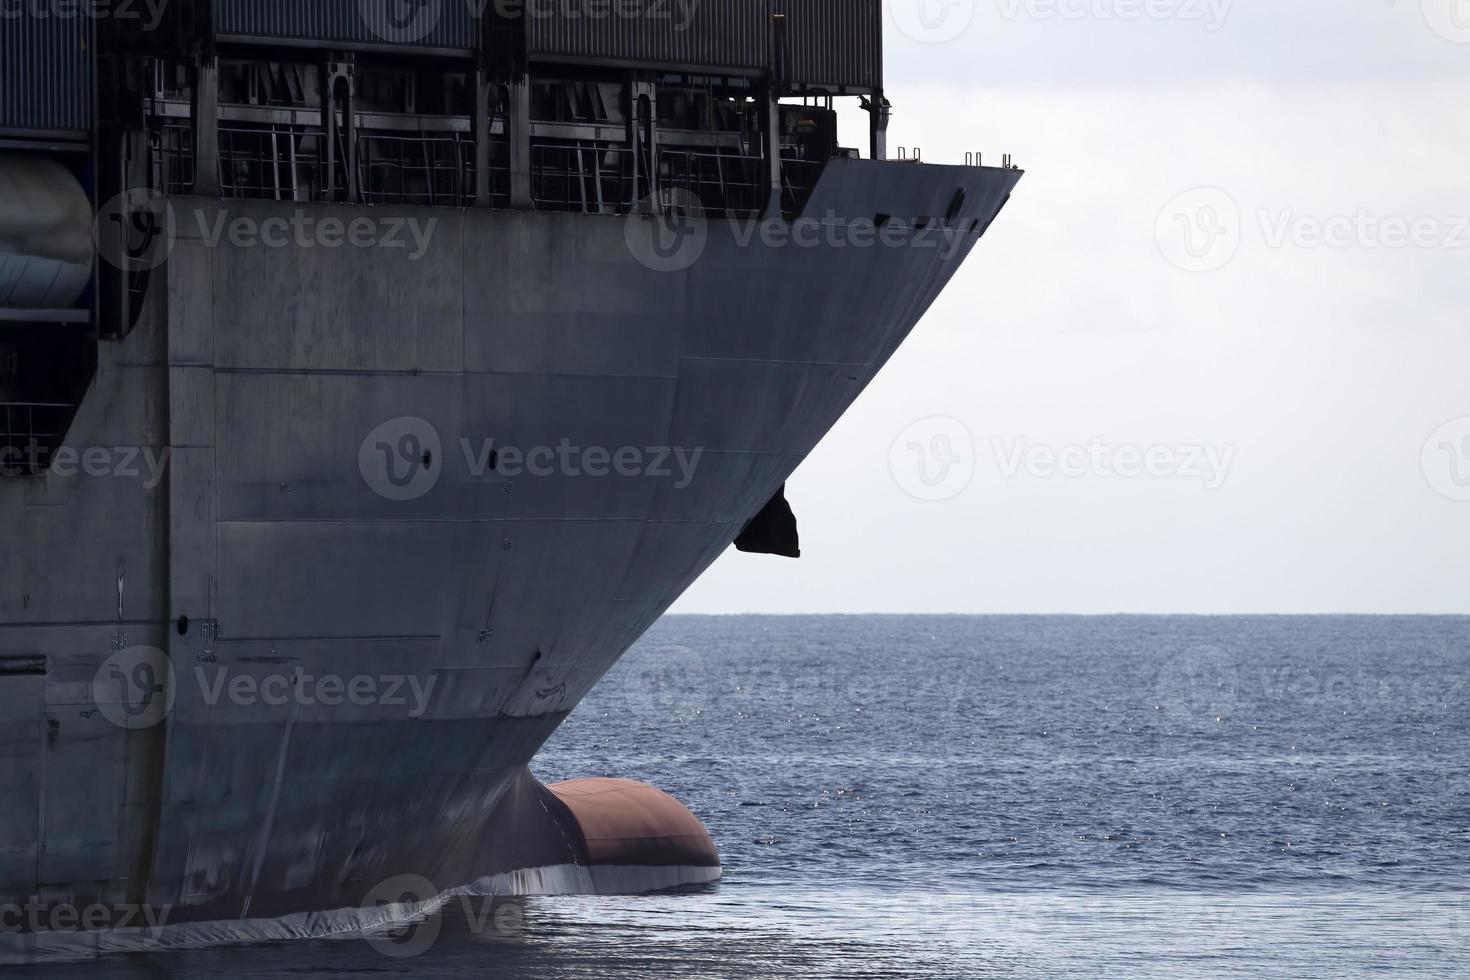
372,375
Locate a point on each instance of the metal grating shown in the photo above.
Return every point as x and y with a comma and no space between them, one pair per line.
835,43
46,73
830,43
29,433
447,24
417,170
725,34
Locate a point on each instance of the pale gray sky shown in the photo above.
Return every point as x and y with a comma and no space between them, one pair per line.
1299,364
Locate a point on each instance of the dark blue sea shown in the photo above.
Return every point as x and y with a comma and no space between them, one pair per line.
1009,797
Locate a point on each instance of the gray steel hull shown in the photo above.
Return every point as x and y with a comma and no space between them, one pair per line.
262,371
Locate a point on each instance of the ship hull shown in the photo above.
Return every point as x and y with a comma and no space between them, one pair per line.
269,553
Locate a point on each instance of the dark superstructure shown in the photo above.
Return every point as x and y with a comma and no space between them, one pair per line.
549,105
321,503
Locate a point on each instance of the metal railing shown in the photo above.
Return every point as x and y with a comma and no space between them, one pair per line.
289,163
173,158
278,163
798,179
30,432
726,184
429,171
599,179
593,179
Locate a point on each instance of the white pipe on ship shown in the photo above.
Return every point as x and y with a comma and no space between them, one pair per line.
45,234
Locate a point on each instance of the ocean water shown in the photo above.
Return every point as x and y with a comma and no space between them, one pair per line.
1010,797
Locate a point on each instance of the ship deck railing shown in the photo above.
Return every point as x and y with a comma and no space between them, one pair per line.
592,178
726,185
174,166
289,162
279,163
430,171
29,429
799,178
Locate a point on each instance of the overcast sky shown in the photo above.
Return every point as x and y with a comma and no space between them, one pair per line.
1215,355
